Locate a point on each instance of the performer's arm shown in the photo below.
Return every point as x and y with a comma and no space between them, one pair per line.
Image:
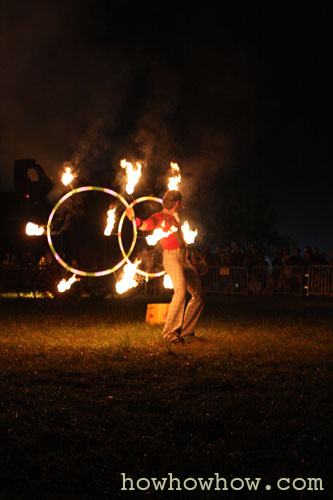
146,225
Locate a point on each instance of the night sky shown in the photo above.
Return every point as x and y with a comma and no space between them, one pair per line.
239,96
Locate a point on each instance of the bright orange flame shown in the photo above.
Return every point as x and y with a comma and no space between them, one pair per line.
67,176
167,282
66,284
111,213
133,174
33,229
159,233
127,281
189,235
175,179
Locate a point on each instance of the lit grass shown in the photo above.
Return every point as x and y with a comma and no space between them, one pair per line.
93,392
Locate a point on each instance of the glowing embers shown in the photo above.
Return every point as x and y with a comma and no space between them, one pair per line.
133,174
33,229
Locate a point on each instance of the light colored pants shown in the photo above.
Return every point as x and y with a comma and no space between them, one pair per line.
184,278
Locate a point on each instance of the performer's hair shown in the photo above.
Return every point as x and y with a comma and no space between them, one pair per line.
170,198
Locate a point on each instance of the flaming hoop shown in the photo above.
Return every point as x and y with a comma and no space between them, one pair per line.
138,200
80,272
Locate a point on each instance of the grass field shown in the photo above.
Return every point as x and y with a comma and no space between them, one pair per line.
92,392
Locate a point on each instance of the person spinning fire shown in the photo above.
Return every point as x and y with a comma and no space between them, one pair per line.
181,320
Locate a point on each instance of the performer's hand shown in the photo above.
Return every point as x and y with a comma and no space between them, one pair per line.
130,213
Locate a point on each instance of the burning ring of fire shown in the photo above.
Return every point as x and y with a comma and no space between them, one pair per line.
79,271
138,200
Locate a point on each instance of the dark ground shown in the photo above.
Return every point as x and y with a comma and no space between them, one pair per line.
91,393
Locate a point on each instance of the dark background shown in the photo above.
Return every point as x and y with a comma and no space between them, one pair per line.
238,95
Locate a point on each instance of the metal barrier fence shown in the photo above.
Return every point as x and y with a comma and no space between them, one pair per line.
320,280
282,280
270,280
230,280
260,280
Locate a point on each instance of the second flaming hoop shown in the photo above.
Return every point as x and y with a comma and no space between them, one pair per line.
121,221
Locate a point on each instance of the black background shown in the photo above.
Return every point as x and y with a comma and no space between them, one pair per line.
238,95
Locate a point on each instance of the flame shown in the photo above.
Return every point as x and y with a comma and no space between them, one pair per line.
33,229
189,235
160,233
127,281
167,282
111,213
176,177
67,176
133,174
66,284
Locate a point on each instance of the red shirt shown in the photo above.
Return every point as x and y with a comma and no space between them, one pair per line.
166,221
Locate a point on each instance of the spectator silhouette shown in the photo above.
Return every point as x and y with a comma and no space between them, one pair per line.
237,258
295,277
227,256
277,259
308,259
208,256
6,259
252,258
285,257
318,258
330,262
198,262
219,256
296,259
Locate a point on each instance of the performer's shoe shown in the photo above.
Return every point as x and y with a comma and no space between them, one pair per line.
177,340
192,337
173,339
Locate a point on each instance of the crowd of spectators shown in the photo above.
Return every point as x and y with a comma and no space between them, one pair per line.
27,259
231,269
233,256
224,256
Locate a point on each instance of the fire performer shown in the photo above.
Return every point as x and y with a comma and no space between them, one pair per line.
180,321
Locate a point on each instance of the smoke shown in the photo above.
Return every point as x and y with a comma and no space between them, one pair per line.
212,88
72,95
61,95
